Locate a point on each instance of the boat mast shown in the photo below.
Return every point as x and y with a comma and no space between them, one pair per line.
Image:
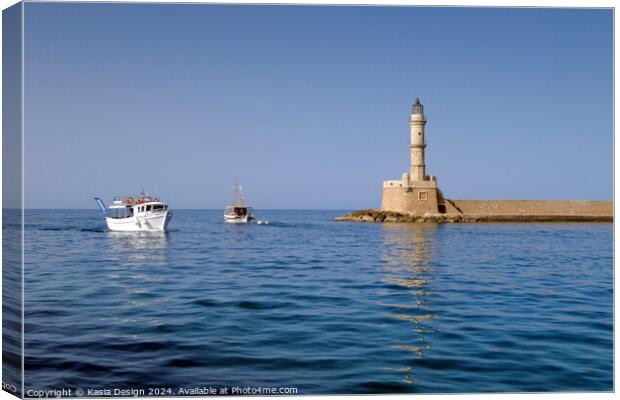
238,194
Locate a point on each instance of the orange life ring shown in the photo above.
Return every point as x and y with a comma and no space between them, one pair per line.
129,200
139,201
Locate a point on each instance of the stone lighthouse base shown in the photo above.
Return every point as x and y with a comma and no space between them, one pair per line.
413,200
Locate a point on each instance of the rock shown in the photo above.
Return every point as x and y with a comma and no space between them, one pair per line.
396,217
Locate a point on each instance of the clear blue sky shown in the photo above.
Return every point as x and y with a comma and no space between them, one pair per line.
309,106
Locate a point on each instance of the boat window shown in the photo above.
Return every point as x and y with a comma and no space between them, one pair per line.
158,207
120,212
148,208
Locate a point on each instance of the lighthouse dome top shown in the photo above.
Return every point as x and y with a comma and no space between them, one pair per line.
418,107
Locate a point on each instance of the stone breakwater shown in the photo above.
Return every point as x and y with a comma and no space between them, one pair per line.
497,211
531,208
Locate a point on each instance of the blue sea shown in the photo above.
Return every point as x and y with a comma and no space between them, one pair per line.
307,305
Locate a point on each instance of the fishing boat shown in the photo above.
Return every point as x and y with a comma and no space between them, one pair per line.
238,213
142,213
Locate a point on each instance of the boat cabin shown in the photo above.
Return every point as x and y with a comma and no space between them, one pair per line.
126,207
239,211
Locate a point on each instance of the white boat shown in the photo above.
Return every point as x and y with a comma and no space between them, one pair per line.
144,213
238,213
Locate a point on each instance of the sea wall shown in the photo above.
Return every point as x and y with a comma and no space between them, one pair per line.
531,207
392,216
493,211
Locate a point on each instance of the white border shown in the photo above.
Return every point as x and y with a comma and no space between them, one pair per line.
461,3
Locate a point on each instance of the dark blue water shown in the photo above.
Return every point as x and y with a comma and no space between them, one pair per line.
321,306
12,301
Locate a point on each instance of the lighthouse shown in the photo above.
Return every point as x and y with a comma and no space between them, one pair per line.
416,192
417,142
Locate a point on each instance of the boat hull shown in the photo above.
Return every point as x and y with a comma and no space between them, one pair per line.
154,222
236,220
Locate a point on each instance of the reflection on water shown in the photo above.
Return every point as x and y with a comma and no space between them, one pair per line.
139,257
139,247
413,244
408,249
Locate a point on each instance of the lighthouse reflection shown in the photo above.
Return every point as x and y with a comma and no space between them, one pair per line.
408,253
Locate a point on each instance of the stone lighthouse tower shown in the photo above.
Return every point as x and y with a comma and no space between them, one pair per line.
417,142
415,192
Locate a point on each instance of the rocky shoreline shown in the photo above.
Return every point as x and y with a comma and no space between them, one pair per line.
392,216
